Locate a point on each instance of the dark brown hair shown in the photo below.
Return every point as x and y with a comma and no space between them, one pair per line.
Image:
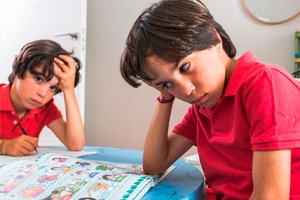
171,30
40,54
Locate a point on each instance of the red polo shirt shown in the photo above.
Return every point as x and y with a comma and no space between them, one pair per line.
33,122
259,111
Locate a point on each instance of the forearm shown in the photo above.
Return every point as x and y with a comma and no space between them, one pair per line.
74,133
2,147
156,145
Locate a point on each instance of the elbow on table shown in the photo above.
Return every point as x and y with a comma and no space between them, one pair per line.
76,147
152,169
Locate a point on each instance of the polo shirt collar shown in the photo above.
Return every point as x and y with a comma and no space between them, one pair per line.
240,73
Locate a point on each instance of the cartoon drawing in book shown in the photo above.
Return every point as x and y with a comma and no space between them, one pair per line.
104,168
63,169
35,166
56,195
66,191
10,182
45,178
53,196
82,173
98,187
60,160
114,177
31,192
82,164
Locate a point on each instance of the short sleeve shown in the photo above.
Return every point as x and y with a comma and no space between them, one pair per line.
187,127
271,103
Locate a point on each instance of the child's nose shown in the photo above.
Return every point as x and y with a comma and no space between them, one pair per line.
42,92
186,88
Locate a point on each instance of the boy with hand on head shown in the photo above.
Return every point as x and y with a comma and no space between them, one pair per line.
244,116
41,70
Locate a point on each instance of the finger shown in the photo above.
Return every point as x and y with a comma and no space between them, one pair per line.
18,150
60,62
69,61
14,147
60,66
34,141
30,145
65,58
58,71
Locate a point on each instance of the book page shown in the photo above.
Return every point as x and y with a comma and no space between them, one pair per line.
128,167
64,177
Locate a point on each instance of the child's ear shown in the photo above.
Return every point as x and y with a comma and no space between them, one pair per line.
217,35
219,45
17,76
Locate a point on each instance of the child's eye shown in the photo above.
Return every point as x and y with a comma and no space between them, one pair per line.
184,68
39,79
54,89
167,85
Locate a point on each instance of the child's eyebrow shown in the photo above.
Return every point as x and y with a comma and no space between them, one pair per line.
159,83
175,66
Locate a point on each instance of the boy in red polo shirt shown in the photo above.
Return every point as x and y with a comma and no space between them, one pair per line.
41,70
244,118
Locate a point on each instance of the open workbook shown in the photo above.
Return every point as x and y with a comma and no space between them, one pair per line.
60,177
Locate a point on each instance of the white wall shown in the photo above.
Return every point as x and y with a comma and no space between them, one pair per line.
118,115
270,43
